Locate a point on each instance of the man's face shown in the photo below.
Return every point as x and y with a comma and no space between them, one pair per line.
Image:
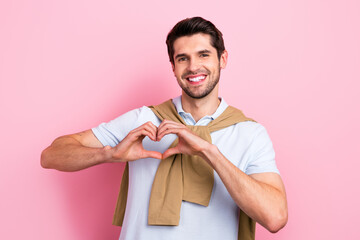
196,64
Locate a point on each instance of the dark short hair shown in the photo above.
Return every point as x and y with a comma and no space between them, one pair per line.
191,26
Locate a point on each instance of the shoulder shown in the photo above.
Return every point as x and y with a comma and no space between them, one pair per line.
249,128
135,117
145,114
253,135
250,134
242,134
112,132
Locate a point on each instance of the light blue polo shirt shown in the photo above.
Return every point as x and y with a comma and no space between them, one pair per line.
246,144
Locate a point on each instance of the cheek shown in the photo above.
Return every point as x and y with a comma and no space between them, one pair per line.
177,75
178,72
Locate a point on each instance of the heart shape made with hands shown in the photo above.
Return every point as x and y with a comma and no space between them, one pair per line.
131,148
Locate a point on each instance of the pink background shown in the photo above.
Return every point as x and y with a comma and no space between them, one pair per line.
66,66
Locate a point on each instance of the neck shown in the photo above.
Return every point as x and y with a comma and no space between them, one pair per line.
199,108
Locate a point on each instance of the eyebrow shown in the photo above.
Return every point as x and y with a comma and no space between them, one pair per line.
204,51
180,55
185,55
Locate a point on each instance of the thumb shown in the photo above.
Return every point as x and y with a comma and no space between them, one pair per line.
170,151
107,147
152,154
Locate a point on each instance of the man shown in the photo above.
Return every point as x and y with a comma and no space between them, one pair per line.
240,156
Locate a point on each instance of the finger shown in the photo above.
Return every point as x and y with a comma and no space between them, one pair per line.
141,134
152,131
166,122
152,126
152,154
148,128
169,152
168,125
107,147
168,131
148,125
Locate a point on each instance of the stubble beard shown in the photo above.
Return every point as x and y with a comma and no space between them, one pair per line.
209,88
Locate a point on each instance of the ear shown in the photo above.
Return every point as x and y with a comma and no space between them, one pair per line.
223,59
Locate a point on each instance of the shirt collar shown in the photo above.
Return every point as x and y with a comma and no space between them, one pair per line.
221,108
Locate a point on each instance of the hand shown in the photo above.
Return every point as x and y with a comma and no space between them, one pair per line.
131,148
189,143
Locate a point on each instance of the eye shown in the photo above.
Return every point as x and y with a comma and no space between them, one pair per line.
204,55
181,59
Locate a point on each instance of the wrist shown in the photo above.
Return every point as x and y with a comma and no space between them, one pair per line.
209,153
107,154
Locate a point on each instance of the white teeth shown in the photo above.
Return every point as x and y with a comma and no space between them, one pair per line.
196,79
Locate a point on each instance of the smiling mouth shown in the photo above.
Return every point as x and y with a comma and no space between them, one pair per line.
196,79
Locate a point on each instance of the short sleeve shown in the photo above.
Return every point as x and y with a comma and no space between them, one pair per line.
111,133
262,154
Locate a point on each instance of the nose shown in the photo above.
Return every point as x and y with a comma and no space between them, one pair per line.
194,65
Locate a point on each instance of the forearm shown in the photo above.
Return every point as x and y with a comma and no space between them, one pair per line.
260,201
68,154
